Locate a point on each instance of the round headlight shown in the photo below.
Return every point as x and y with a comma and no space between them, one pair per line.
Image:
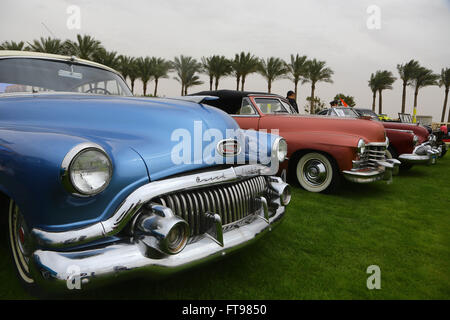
282,150
89,171
361,148
415,140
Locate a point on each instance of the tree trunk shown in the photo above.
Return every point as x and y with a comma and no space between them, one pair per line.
374,96
416,93
182,88
217,83
145,88
185,90
242,83
238,78
313,87
211,83
269,85
404,97
132,85
156,87
296,86
380,102
444,108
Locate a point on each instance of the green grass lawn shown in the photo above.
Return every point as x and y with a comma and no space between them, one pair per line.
322,249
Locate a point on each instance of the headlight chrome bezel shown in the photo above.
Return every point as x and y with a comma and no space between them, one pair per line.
415,140
361,147
282,150
66,166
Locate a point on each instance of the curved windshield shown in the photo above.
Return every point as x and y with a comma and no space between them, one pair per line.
44,75
367,113
345,112
270,106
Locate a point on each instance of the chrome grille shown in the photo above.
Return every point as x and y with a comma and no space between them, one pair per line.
232,201
371,155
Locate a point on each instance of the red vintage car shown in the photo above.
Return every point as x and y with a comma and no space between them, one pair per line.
422,150
411,144
320,149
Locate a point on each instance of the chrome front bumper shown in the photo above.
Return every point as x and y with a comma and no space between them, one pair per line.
422,154
386,169
54,269
55,259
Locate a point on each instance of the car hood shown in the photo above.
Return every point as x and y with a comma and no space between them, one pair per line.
419,130
371,131
148,126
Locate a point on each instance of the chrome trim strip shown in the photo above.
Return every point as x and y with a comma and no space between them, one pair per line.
378,144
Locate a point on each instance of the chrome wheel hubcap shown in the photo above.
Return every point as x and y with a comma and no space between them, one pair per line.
315,172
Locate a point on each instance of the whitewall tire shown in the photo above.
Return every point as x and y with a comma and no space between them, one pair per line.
316,172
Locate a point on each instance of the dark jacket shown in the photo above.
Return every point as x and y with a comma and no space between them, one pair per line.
293,103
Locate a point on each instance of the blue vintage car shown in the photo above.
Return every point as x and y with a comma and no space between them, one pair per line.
97,184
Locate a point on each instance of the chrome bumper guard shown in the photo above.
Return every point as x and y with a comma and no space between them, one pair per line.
422,154
384,171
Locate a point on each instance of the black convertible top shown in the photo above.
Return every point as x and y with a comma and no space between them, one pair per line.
230,100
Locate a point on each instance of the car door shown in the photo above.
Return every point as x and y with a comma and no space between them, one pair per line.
246,116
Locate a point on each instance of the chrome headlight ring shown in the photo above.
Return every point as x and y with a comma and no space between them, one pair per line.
282,150
361,147
415,140
86,170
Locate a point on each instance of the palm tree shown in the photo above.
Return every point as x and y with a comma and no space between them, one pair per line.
243,65
445,81
317,72
297,69
133,72
107,58
191,80
12,45
48,45
272,69
208,65
186,68
145,71
406,72
222,68
384,80
374,88
85,47
422,78
161,69
124,65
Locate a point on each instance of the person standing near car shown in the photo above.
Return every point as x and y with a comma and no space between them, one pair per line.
291,98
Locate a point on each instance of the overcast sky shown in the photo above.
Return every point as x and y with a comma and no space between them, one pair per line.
330,30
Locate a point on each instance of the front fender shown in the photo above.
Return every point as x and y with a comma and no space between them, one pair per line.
342,147
30,168
401,140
